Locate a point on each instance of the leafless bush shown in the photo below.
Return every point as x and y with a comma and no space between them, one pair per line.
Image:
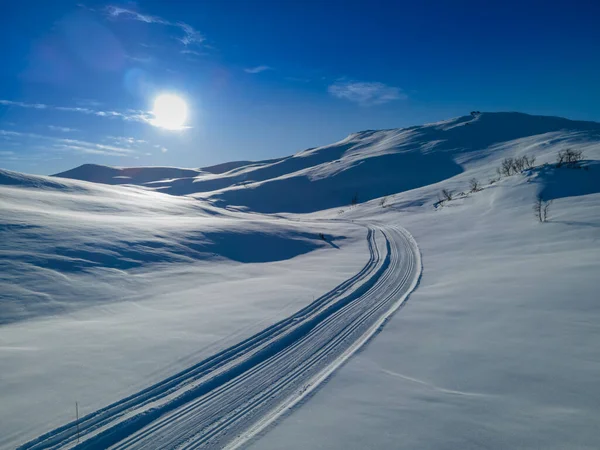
507,167
518,164
569,157
541,208
447,195
512,166
354,200
546,209
382,202
529,161
475,186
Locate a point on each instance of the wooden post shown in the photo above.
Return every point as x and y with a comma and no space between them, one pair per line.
77,419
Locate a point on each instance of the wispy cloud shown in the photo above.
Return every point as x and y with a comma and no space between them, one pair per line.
126,141
257,69
62,129
191,52
10,133
72,144
161,148
88,102
140,59
190,34
116,11
130,115
23,105
366,93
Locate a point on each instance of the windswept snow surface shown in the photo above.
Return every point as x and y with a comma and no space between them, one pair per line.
195,320
235,393
498,347
106,290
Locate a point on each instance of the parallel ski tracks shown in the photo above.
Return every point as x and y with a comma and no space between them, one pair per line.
228,398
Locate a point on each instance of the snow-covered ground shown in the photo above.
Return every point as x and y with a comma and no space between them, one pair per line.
105,290
108,289
497,348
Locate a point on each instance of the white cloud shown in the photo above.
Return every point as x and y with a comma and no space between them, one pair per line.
10,133
191,52
140,59
257,69
73,144
23,105
366,93
62,129
164,149
130,115
190,34
126,141
88,102
116,11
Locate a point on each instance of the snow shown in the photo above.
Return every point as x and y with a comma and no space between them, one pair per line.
498,346
106,290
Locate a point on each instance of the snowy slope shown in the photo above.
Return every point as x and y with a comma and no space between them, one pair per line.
127,284
372,164
107,289
65,237
497,348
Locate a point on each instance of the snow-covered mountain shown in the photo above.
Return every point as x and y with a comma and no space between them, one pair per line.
365,165
116,279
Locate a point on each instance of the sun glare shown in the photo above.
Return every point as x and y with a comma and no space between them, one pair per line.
170,112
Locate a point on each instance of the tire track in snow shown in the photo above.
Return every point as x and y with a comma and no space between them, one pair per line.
228,398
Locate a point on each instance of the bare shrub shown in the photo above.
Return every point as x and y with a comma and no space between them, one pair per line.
382,202
537,208
518,164
475,186
569,157
511,166
529,161
447,195
541,208
545,210
507,167
354,200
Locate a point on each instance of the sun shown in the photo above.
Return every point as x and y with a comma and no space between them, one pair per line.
170,112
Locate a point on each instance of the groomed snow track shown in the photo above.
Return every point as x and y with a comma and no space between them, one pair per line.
225,400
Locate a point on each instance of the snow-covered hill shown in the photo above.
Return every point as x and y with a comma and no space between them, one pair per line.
365,165
107,289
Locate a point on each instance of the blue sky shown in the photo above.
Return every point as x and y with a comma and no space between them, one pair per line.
269,78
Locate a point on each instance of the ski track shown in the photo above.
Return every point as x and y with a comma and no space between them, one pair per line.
227,399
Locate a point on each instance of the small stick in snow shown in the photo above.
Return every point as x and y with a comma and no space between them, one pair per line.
77,419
